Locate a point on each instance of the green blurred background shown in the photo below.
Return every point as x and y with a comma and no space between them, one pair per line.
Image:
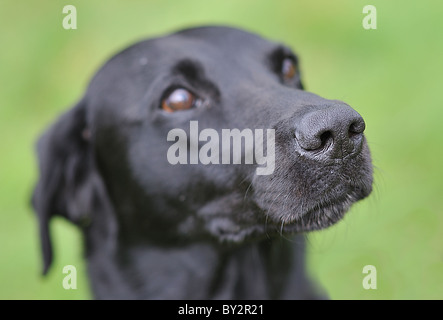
391,75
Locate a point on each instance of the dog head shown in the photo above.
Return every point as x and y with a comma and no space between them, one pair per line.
149,151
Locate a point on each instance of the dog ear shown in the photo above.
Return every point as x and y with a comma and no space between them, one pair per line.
67,184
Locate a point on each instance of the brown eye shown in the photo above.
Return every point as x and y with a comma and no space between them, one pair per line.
288,69
179,99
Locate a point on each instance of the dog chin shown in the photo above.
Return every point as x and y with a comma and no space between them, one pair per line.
282,216
322,214
319,217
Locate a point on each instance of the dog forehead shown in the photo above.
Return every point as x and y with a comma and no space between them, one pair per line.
218,48
225,37
204,44
208,44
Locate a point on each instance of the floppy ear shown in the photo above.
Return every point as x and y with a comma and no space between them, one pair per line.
67,184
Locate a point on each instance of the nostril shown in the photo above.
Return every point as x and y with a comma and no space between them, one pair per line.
315,142
325,137
356,128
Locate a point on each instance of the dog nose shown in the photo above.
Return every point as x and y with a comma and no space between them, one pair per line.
333,132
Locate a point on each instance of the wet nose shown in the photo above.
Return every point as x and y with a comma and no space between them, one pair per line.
332,132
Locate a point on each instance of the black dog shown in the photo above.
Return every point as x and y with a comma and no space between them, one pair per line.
156,229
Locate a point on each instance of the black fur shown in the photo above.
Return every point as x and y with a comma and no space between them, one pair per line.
156,230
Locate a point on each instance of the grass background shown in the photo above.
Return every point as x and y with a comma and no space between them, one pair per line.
391,75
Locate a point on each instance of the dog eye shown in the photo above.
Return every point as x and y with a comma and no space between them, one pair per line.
178,99
288,69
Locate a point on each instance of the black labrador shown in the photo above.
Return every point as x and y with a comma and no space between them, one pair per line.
164,219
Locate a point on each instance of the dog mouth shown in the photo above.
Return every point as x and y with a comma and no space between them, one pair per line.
308,196
317,211
319,216
289,202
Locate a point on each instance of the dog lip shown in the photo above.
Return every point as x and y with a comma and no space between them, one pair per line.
322,215
326,203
